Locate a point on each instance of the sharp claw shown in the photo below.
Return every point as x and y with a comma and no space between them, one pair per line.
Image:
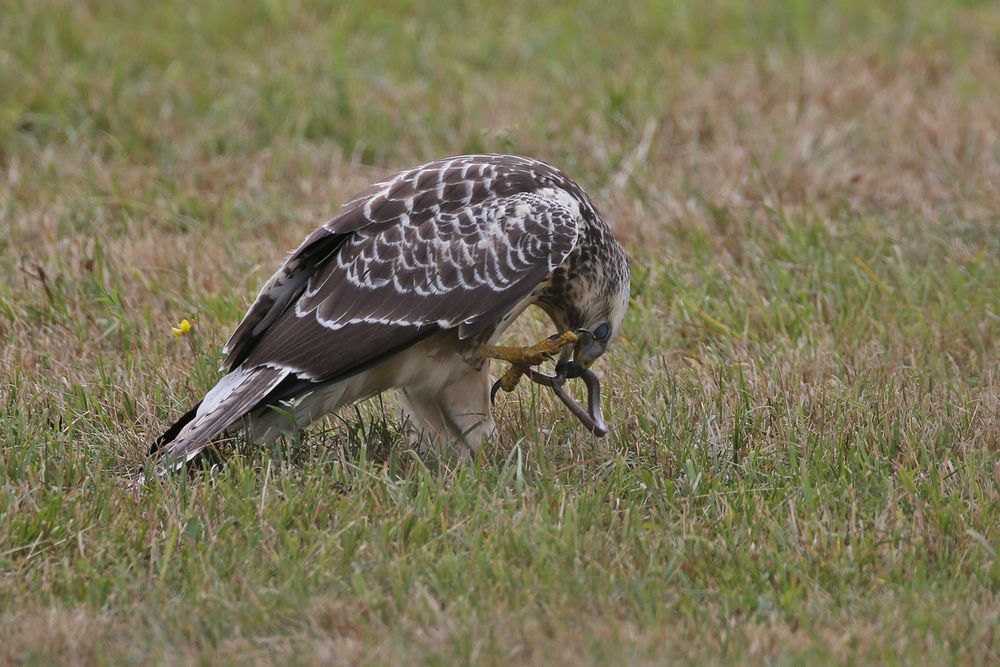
493,392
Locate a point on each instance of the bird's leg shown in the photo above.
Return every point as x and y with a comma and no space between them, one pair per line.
523,358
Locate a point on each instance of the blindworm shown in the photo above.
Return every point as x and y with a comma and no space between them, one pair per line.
591,418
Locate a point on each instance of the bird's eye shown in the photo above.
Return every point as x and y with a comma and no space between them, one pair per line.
602,331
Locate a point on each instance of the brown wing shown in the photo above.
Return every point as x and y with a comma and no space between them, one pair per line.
384,291
456,243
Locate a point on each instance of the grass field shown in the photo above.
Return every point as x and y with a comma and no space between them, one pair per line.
804,465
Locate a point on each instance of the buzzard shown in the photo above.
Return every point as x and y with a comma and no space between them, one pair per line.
409,287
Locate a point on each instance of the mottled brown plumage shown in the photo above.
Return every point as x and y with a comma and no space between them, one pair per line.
400,288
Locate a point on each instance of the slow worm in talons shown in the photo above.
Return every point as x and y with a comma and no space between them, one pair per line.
590,418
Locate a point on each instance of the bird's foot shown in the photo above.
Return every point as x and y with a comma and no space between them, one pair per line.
529,356
523,358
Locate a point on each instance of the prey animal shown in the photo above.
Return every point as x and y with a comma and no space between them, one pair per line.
409,287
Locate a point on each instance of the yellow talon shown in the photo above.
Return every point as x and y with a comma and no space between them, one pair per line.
523,358
510,379
529,356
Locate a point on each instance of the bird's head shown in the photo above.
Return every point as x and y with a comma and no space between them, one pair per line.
595,314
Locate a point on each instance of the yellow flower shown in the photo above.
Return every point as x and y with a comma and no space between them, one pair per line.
182,328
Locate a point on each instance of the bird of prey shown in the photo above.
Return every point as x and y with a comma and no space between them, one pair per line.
409,287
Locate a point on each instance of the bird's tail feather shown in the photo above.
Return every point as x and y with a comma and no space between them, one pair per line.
234,396
171,433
